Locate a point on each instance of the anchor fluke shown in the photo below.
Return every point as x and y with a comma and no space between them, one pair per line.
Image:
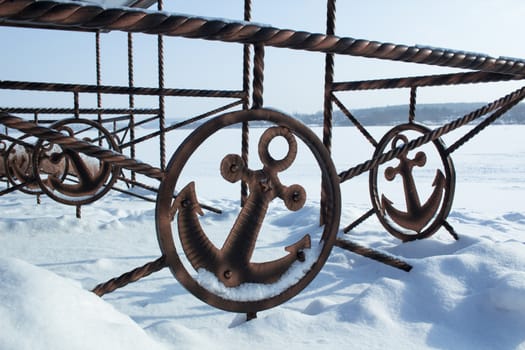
416,217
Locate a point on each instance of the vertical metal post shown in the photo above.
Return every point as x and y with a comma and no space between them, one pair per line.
99,82
131,103
412,109
246,101
162,121
38,199
328,81
76,104
258,76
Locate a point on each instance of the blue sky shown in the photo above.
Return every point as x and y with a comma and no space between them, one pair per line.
293,79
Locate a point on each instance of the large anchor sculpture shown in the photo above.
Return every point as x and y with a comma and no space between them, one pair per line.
231,264
219,276
417,216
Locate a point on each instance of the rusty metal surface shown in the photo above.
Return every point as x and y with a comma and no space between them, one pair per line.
111,89
18,169
421,217
182,124
84,180
70,111
3,149
418,220
79,15
106,155
373,254
45,164
500,106
426,80
130,277
232,264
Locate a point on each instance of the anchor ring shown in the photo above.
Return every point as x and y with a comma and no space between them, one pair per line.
264,152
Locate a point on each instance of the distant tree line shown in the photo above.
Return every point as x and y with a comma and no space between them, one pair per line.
427,114
430,114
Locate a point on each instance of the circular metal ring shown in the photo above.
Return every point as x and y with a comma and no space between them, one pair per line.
18,166
231,264
83,179
264,152
419,220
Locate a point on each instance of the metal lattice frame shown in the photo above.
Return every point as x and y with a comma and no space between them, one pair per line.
73,16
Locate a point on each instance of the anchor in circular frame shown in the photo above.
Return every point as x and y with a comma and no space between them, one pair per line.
419,221
82,181
18,166
263,185
231,264
417,215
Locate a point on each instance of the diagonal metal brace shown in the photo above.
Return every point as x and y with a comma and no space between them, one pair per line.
106,155
373,254
129,277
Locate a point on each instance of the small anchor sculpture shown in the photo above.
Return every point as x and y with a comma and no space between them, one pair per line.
88,182
90,178
3,148
20,165
417,216
231,263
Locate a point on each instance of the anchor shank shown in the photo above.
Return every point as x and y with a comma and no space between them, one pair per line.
240,243
411,196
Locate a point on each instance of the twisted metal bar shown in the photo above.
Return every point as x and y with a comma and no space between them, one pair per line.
107,89
354,120
450,230
183,123
81,16
162,114
328,80
13,188
76,104
359,221
75,111
425,80
99,79
373,254
56,137
129,277
156,190
245,133
481,126
17,141
258,76
131,100
504,102
412,108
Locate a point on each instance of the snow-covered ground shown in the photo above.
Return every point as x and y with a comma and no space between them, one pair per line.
466,294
